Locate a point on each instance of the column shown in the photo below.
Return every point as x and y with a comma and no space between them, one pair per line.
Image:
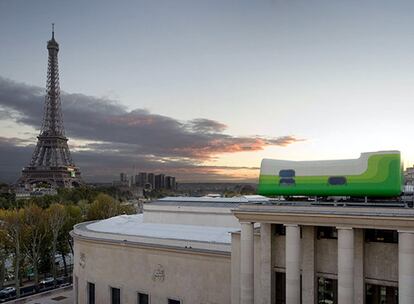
76,271
308,265
246,263
292,264
405,267
76,290
359,274
345,265
267,273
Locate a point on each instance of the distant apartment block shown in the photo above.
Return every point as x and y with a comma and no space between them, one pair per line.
170,182
147,180
123,177
160,181
141,179
151,180
409,176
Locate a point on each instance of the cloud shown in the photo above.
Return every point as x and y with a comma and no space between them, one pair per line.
104,165
120,135
203,125
13,156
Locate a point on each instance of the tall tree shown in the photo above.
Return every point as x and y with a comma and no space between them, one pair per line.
5,251
84,206
56,219
35,233
64,245
12,225
104,206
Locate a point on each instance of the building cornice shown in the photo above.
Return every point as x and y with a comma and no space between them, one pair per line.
375,218
159,247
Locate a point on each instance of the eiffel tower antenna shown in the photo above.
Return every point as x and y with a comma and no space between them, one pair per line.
51,161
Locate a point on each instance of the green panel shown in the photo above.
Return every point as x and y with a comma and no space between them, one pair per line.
382,179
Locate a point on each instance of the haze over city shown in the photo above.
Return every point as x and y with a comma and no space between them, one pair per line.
205,90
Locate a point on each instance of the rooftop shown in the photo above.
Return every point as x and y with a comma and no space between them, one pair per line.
206,201
131,228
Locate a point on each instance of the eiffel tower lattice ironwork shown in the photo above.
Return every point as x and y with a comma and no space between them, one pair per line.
51,161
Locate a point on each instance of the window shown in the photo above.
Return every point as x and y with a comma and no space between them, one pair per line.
287,181
287,173
172,301
328,291
143,298
327,233
381,294
91,293
337,180
280,229
115,295
382,236
280,288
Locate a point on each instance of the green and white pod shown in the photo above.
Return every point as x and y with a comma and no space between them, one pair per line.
376,174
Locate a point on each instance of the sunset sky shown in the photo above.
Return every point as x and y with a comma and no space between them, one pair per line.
205,89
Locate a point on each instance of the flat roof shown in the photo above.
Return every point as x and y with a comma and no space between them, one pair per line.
133,225
205,201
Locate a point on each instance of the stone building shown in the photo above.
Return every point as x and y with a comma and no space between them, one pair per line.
301,253
247,250
177,251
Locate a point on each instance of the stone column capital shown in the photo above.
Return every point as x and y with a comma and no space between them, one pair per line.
405,231
291,225
344,228
246,222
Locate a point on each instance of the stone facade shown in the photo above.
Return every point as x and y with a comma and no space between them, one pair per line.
187,259
162,273
348,257
288,253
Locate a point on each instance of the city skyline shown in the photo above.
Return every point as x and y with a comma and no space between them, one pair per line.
145,87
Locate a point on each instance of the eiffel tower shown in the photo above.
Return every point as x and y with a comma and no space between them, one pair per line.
51,162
